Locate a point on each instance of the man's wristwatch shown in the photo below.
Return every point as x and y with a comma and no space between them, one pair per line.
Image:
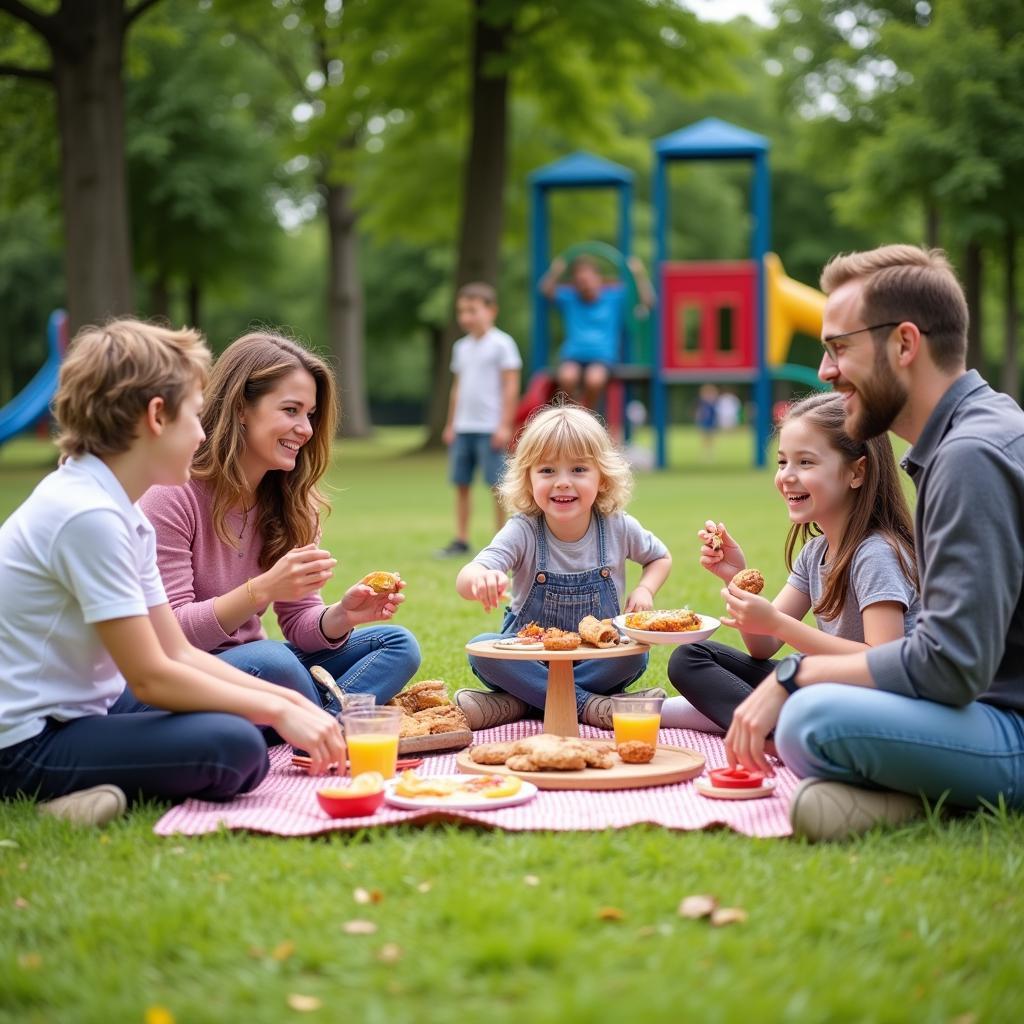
786,670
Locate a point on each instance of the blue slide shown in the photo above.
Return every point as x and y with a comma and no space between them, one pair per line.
33,401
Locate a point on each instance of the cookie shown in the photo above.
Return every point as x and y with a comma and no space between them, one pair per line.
636,752
749,580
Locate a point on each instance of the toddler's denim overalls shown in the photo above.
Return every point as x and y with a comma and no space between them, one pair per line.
561,600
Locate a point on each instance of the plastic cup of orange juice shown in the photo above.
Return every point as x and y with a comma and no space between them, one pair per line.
636,718
371,735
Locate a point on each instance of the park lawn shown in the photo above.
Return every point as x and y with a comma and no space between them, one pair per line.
920,924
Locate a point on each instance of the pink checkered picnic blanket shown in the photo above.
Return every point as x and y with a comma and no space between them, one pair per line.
285,803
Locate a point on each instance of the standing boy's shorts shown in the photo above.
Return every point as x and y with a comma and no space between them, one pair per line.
467,452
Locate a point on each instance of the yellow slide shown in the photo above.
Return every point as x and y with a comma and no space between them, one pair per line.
791,306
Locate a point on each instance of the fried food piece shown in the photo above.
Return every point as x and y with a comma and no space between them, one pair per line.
636,752
412,726
554,753
599,755
381,582
750,580
492,753
521,763
676,620
444,719
598,632
560,640
431,693
531,631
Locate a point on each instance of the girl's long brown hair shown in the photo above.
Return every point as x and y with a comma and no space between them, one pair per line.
879,507
287,505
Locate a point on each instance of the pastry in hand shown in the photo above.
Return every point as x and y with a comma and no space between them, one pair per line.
381,582
750,580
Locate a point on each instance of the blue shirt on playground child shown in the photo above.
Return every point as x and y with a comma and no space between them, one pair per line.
592,329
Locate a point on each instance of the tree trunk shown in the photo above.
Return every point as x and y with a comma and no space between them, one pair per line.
973,273
1011,365
87,59
483,191
345,311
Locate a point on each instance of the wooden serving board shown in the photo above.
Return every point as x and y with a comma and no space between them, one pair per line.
670,764
435,741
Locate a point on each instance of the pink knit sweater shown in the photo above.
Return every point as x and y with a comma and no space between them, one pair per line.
197,567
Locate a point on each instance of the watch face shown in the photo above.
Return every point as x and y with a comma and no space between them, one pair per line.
788,669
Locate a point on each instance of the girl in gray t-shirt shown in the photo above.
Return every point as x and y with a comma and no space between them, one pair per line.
855,570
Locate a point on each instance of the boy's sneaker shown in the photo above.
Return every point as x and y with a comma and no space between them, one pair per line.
822,810
484,709
455,547
598,710
94,806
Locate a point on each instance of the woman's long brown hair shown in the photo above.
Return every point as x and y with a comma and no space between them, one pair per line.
287,505
880,506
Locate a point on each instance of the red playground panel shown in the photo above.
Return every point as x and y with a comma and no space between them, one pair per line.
709,315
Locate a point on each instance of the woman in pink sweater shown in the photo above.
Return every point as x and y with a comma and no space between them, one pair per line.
243,533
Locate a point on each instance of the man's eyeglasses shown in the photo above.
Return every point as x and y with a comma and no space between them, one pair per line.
829,344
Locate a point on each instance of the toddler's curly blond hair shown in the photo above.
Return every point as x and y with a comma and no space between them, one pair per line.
566,432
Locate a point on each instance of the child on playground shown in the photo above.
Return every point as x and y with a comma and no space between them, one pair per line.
856,567
481,406
592,316
566,550
243,533
102,698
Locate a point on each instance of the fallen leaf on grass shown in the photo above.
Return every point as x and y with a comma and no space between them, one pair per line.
158,1015
283,950
696,907
610,914
722,916
358,927
531,880
303,1004
389,953
30,961
424,886
21,903
367,895
965,1018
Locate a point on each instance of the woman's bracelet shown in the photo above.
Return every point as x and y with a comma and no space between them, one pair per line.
323,632
251,591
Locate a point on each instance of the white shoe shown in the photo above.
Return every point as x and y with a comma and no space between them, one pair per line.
822,810
94,806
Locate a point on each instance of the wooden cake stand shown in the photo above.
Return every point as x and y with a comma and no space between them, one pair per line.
560,704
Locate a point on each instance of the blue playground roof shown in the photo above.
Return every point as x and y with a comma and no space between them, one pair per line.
711,138
581,169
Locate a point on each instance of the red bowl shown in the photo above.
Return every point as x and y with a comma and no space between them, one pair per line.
339,803
736,778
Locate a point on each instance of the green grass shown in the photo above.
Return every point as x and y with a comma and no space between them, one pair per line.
918,924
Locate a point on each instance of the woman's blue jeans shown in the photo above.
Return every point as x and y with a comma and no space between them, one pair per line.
375,659
884,740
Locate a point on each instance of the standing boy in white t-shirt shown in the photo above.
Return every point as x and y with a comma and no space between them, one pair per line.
482,405
102,699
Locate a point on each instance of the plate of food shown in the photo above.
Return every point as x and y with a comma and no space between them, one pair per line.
463,792
671,626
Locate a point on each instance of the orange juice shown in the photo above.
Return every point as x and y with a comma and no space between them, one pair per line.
629,725
372,752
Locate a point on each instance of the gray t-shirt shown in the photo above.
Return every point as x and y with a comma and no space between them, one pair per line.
875,576
514,550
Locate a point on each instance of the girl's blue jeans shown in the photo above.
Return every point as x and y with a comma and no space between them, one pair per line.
884,740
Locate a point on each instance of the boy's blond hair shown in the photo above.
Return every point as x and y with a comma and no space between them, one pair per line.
566,432
112,373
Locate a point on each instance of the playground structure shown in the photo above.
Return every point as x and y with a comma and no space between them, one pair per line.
32,403
714,321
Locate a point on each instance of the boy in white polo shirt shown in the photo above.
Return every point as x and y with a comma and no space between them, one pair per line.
482,404
83,610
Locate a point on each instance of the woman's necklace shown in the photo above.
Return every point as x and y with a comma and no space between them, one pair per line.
241,530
